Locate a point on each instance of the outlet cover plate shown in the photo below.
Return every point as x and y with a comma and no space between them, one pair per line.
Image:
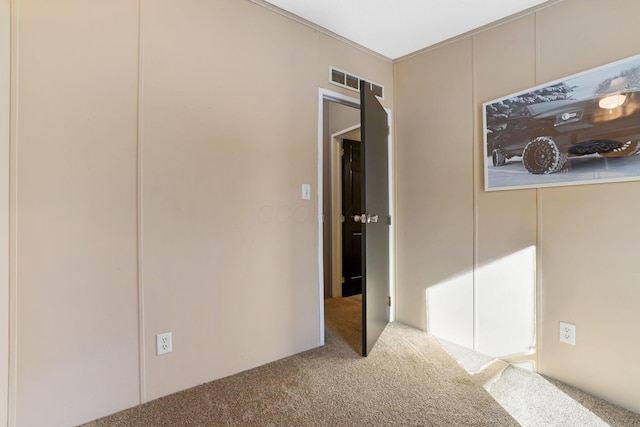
164,343
568,333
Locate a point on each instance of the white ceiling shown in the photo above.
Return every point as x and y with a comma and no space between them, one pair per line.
395,28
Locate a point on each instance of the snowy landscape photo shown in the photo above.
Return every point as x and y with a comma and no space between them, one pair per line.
581,129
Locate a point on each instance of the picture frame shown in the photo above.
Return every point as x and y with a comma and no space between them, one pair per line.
581,129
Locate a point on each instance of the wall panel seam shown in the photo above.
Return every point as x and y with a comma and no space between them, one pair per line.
139,213
538,269
13,217
5,139
474,183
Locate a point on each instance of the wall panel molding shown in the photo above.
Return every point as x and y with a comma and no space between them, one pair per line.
5,136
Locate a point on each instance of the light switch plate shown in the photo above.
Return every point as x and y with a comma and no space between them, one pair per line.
306,191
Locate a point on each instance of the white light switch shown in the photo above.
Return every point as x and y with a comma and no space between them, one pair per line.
306,191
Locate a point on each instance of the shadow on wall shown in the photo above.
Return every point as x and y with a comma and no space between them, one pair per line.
493,312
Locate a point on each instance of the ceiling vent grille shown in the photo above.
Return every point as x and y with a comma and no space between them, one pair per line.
352,82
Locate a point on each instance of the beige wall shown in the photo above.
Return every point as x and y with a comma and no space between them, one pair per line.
74,295
158,152
434,171
229,134
595,287
156,164
450,230
505,221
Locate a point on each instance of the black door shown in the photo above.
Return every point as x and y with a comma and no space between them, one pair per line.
376,221
351,230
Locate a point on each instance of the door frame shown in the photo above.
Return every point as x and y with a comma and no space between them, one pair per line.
331,96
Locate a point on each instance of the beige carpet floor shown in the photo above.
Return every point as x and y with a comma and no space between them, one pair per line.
408,379
344,317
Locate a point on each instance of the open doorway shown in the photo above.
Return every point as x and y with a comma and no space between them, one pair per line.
339,118
343,242
374,303
343,310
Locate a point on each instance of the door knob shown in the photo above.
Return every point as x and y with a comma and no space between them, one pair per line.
364,218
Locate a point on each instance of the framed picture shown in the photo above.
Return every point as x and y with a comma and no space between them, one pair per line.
583,129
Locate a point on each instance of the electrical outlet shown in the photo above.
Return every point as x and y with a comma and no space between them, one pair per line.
164,343
568,333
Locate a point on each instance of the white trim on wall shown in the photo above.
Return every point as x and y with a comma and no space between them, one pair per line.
392,214
142,343
5,137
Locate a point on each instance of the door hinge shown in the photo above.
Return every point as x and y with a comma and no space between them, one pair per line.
342,151
389,301
341,279
388,219
341,218
388,131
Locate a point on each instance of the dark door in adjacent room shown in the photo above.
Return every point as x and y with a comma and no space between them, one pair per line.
374,217
351,230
